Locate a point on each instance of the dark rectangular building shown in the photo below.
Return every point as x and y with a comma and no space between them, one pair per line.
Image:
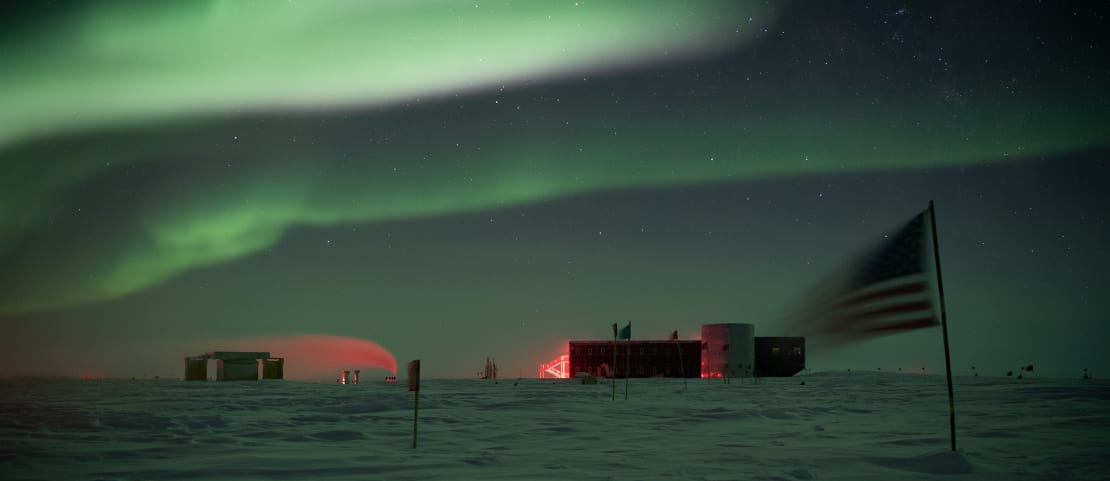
234,366
779,356
648,358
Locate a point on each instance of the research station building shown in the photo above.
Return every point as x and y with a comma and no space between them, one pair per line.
235,366
725,350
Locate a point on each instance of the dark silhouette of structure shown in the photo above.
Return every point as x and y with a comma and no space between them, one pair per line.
235,366
779,356
490,371
725,351
642,358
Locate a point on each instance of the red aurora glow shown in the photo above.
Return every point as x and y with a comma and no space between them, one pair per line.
317,355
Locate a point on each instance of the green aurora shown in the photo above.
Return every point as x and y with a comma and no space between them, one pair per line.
127,62
176,137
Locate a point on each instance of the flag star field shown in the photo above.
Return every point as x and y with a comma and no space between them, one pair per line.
455,180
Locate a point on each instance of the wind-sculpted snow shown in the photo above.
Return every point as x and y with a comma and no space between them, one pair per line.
835,426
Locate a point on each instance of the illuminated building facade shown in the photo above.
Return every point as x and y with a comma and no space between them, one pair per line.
725,350
556,369
636,358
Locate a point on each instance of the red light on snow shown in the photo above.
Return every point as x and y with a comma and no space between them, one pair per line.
318,355
85,376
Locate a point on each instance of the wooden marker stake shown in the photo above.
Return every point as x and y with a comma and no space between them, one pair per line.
414,386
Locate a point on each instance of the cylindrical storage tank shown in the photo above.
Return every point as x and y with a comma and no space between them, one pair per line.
346,376
728,350
354,380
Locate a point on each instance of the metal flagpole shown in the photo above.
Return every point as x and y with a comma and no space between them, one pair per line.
414,386
681,365
627,361
613,367
943,327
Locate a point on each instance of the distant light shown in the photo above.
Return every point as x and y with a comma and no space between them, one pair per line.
556,368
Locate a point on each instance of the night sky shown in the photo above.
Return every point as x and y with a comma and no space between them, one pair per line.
456,180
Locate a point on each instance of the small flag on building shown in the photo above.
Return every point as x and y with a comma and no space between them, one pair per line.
626,332
884,291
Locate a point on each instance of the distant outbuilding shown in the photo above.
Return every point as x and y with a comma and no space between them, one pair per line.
235,366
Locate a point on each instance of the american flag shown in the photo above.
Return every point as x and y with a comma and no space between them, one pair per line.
885,291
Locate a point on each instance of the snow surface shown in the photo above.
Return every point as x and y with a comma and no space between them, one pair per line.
855,426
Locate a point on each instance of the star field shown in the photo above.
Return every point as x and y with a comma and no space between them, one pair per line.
454,180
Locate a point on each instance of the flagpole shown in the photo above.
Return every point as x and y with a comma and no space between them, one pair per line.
943,327
627,361
613,367
681,365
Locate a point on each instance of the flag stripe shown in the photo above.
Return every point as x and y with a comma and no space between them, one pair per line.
906,325
883,312
913,288
884,291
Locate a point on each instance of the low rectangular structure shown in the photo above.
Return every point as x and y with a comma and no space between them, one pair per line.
648,358
237,355
273,368
779,356
236,370
235,366
196,369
